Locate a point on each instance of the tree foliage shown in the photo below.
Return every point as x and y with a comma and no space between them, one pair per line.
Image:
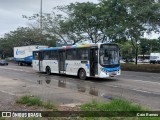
22,37
107,21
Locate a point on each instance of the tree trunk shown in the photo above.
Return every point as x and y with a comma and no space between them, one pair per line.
136,55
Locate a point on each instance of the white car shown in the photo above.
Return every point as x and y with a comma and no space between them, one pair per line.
3,62
146,60
121,61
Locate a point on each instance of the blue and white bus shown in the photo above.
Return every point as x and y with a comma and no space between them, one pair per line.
90,60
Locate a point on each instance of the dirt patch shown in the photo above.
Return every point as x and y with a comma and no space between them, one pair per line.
8,102
69,107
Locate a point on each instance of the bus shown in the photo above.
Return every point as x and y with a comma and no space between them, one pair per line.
154,58
143,58
89,60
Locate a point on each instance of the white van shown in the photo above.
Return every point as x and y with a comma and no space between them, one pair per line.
154,58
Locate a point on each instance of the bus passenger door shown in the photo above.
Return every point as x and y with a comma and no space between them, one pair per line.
40,62
93,61
61,62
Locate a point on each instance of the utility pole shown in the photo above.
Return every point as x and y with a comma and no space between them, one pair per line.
41,36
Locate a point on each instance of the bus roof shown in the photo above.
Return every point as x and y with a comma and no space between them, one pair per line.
70,47
67,47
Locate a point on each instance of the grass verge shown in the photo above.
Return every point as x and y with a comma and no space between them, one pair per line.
35,101
114,105
115,108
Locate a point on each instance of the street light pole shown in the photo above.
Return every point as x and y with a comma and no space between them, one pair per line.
41,39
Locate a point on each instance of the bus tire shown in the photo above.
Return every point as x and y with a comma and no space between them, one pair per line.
21,64
48,70
82,74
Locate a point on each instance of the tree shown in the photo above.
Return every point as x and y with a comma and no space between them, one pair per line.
131,19
145,46
46,29
21,37
126,49
81,22
85,18
109,20
142,17
154,45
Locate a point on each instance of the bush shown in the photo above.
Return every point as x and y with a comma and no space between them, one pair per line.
154,68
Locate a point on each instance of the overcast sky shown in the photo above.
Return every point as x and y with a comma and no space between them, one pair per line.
11,11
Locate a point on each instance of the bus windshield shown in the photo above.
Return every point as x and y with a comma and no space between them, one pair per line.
109,55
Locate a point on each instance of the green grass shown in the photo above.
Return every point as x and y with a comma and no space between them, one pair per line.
49,105
120,105
115,105
29,101
35,101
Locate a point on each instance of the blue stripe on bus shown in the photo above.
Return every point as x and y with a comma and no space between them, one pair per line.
111,69
87,65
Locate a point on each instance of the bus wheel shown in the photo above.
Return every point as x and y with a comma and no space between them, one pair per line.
21,64
82,74
48,70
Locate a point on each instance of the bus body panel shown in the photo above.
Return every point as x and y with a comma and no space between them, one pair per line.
38,65
54,66
44,64
72,67
35,65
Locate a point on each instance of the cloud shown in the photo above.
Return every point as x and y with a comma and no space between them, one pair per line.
11,11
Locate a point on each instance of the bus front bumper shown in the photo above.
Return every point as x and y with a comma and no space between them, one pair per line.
104,74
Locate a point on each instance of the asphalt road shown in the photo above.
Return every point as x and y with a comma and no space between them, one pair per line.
139,87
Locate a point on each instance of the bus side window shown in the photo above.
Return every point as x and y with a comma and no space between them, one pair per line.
68,55
82,54
53,55
46,55
71,54
78,53
74,54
